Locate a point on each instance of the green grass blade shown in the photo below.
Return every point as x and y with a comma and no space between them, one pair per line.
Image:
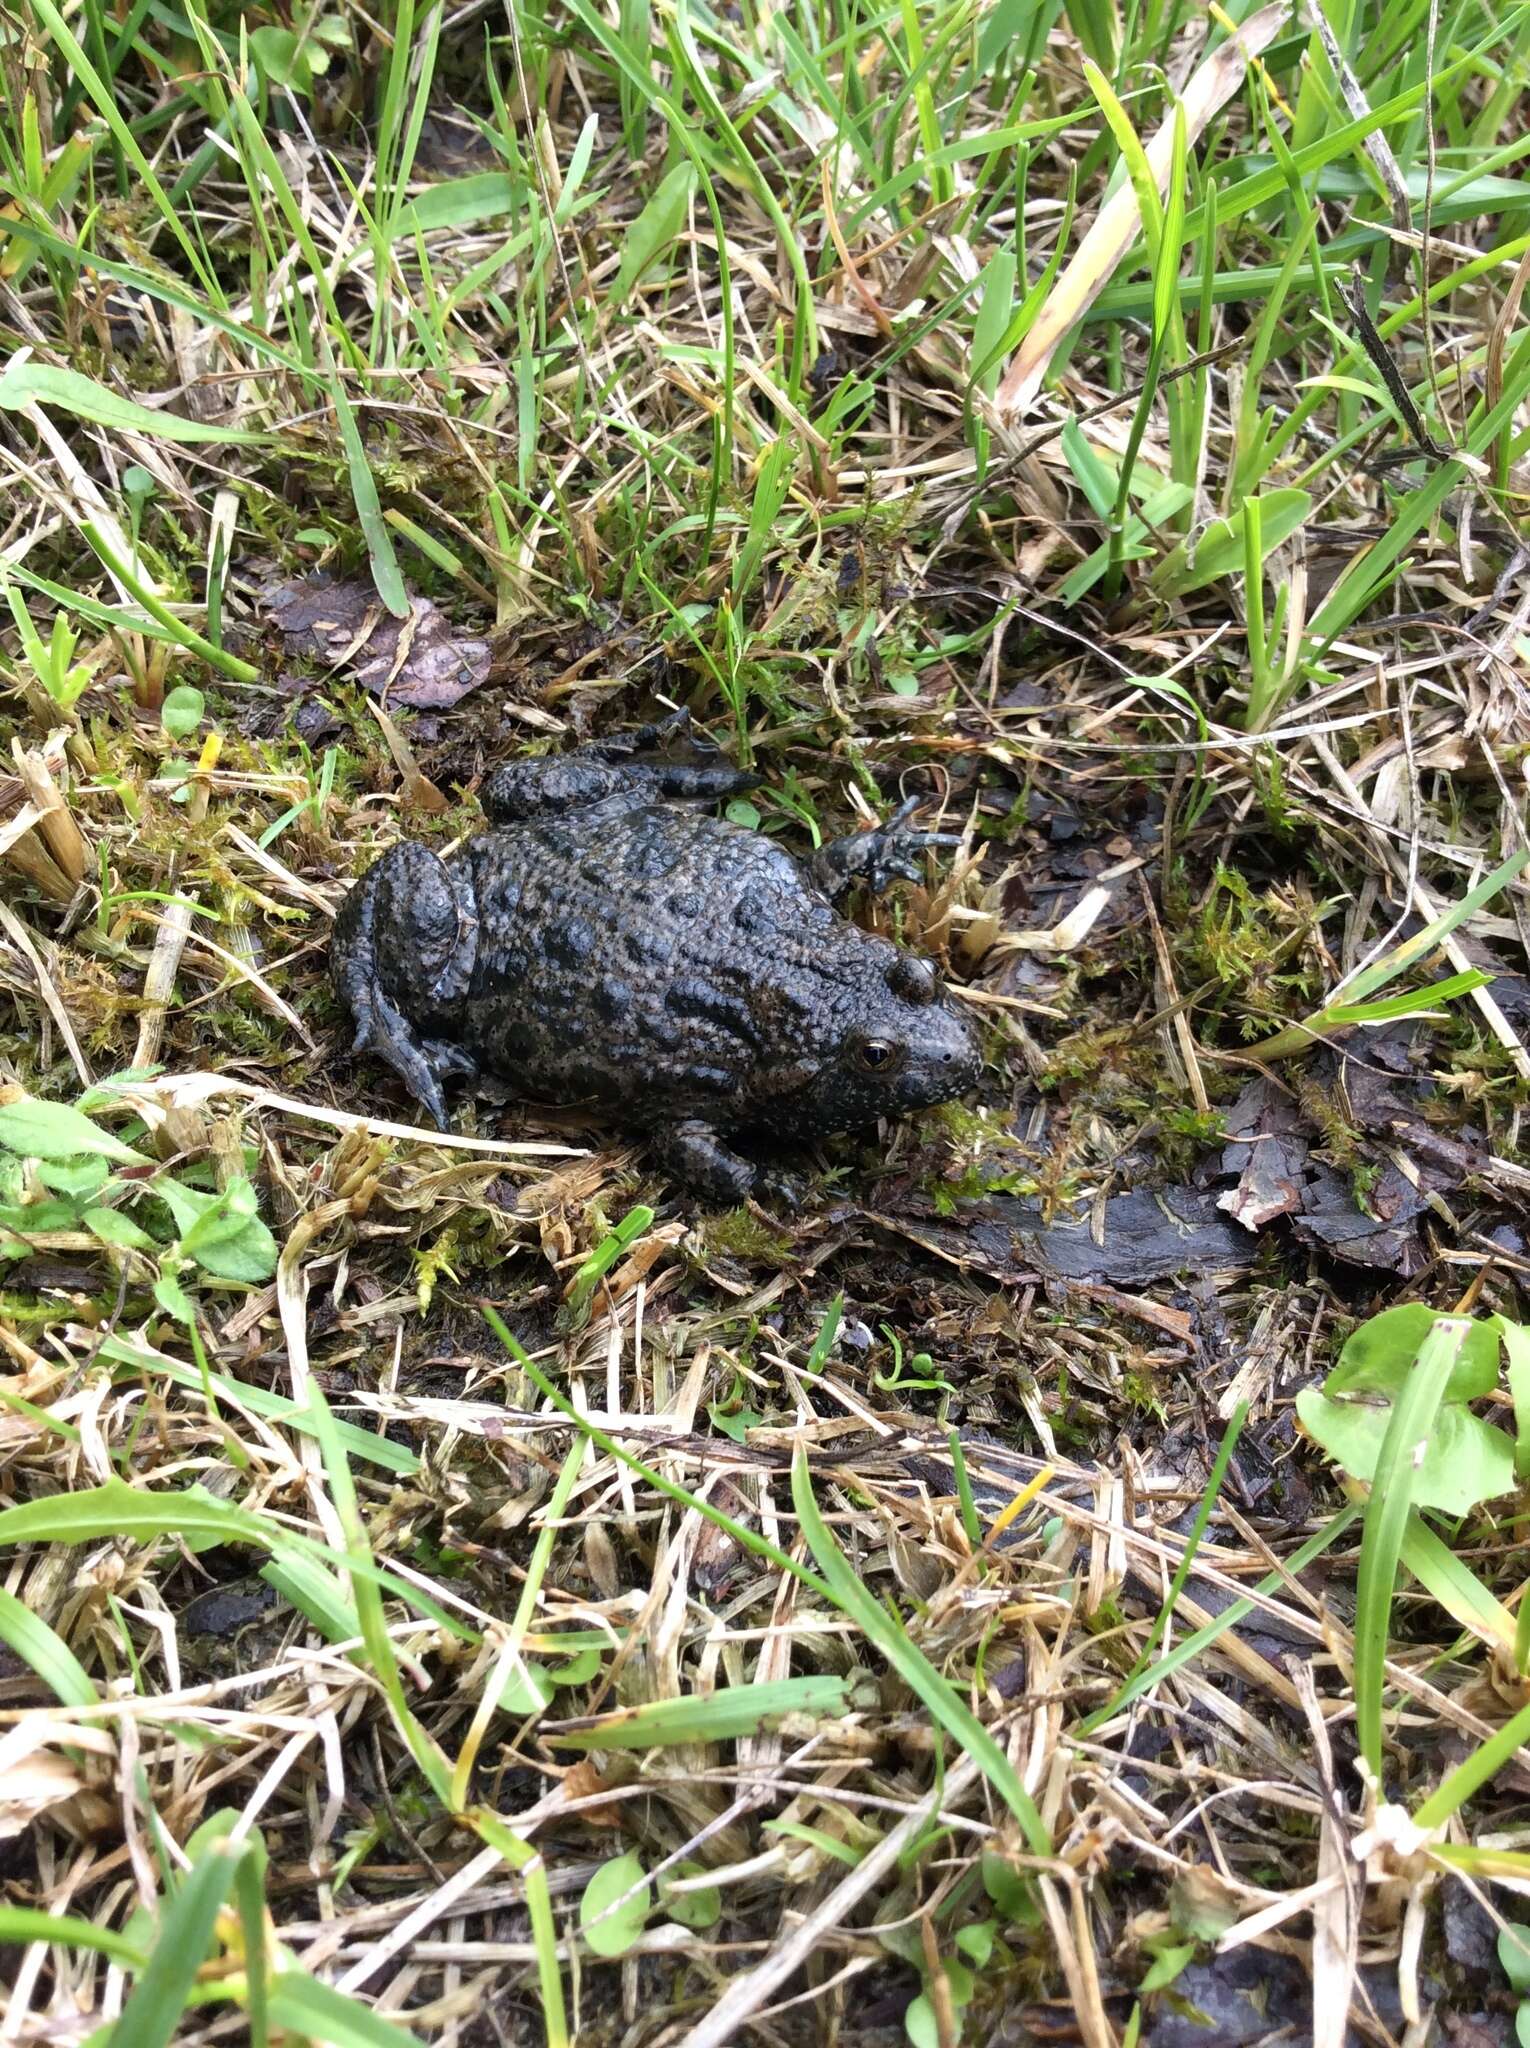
852,1598
721,1716
386,574
84,73
1479,1769
161,1995
36,1644
27,1924
312,2011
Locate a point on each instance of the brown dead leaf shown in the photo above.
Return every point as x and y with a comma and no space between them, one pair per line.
37,1777
585,1780
423,662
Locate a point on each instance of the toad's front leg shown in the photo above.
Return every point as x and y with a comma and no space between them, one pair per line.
402,953
888,851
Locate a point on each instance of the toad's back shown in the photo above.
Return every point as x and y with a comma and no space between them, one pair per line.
658,961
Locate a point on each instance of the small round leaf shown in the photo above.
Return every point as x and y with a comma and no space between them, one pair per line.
609,1928
1514,1954
692,1909
181,713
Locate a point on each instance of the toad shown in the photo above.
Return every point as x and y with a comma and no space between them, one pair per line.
607,943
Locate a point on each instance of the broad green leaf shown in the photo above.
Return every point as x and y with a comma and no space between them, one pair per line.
33,1218
73,1176
527,1689
654,231
1377,1357
222,1232
919,2023
613,1932
113,1227
1465,1460
286,61
182,711
301,2005
976,1942
117,1509
1011,1890
737,1423
33,383
174,1300
249,1255
53,1130
1165,1967
187,1205
1219,550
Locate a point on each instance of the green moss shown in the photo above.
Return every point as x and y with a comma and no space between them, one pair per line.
1342,1141
740,1234
1251,945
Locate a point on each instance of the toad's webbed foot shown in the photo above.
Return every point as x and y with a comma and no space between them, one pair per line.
630,764
889,851
694,1154
403,947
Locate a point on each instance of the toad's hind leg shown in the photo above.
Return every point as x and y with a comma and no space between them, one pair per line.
628,765
401,939
694,1153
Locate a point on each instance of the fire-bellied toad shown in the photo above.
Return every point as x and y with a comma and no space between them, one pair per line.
604,945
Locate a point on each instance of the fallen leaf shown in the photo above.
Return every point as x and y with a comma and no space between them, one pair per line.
37,1777
422,662
1267,1148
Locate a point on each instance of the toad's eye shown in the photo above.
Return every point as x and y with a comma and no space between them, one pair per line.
878,1055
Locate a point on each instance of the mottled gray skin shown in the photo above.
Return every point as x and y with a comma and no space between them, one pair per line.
604,946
